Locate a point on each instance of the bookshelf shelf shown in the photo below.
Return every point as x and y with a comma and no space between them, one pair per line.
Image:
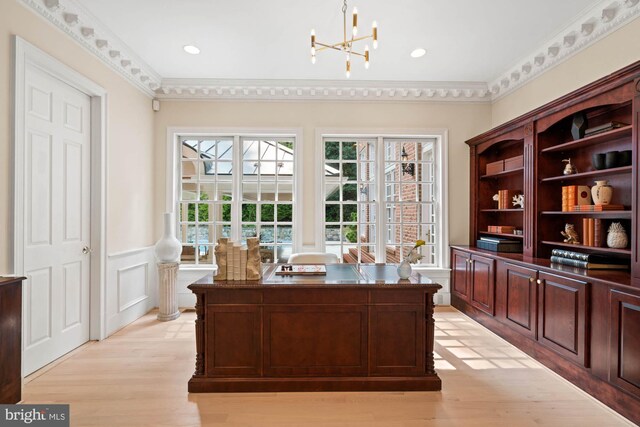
590,140
503,174
603,214
588,248
503,210
590,174
487,233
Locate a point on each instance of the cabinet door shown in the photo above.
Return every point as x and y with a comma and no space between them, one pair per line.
459,274
482,282
315,340
397,340
233,340
516,302
562,317
625,341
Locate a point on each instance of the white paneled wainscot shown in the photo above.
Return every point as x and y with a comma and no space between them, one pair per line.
132,286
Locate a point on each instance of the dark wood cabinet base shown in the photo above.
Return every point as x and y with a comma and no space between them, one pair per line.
233,385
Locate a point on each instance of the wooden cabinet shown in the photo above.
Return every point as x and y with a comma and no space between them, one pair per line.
625,341
233,341
393,353
516,298
10,337
582,323
562,316
473,279
460,273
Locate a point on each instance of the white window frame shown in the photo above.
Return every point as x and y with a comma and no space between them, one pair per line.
441,164
173,178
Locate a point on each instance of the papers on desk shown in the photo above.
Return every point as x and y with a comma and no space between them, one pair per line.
301,270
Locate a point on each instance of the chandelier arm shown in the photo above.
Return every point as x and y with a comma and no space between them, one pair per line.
326,46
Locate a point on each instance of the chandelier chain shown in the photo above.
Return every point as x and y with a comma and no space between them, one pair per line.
344,7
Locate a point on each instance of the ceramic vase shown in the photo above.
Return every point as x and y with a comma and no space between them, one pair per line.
602,193
578,125
404,269
168,248
617,236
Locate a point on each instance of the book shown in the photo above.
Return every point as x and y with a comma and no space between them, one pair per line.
301,270
590,226
603,128
513,247
597,232
236,261
586,264
592,258
243,263
585,231
498,240
229,259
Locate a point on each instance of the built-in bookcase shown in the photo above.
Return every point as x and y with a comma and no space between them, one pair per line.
555,143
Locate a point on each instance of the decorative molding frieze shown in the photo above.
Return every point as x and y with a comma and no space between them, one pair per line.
72,18
322,90
601,20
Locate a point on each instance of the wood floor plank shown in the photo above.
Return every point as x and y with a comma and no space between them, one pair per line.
138,377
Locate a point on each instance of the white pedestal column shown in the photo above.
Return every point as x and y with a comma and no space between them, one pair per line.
168,297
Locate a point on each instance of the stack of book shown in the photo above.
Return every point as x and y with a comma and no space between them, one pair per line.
575,195
502,229
499,244
603,128
588,261
592,232
596,208
504,199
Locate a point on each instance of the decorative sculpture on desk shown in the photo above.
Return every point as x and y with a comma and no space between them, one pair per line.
254,262
570,234
221,258
518,200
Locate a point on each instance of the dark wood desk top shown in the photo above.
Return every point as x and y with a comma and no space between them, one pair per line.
6,280
338,275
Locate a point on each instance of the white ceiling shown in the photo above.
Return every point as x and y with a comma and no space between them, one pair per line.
466,40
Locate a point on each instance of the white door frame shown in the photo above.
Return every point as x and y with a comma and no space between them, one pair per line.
27,55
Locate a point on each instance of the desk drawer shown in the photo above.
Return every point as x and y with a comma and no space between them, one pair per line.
234,296
315,296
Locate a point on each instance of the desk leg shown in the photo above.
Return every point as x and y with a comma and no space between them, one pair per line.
200,331
429,341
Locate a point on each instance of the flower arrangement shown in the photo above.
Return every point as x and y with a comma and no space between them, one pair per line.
413,256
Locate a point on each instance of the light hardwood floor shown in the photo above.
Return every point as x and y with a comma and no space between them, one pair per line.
138,377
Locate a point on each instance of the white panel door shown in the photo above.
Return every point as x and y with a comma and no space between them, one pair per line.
56,219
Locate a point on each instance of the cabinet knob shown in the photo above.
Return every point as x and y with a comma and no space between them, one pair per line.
539,281
531,280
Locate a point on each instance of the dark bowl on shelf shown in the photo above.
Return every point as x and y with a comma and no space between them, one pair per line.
597,160
624,158
611,159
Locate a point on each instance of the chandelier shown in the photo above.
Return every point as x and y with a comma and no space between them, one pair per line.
346,45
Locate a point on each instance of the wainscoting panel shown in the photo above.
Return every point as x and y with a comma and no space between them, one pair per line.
132,286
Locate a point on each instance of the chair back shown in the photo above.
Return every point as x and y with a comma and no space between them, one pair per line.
314,258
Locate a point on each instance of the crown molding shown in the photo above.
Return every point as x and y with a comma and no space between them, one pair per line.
596,23
77,22
84,28
329,90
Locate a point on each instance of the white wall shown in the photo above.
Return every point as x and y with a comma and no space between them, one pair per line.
130,170
609,54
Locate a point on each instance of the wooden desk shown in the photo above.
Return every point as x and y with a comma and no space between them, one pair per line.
359,328
10,339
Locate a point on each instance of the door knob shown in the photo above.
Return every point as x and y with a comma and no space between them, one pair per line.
86,250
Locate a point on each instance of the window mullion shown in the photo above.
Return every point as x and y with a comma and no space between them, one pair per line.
381,251
236,189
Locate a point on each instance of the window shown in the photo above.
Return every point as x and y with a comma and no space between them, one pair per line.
214,201
381,194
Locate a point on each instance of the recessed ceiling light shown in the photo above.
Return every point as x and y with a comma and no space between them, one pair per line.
191,49
417,53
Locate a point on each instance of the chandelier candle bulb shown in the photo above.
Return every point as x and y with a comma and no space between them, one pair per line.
355,22
366,57
348,69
